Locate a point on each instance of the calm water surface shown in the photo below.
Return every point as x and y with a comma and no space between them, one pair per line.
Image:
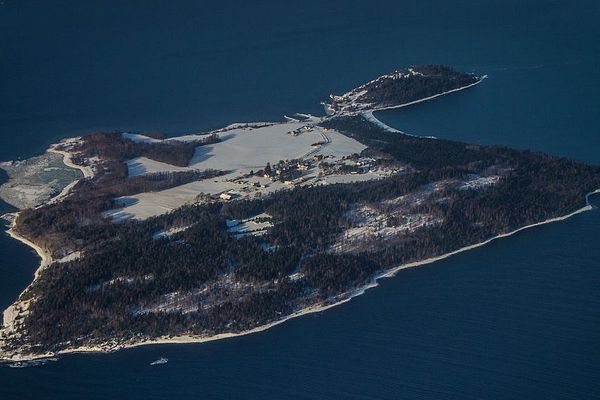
517,319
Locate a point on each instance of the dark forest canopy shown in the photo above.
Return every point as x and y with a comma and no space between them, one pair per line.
402,87
65,226
235,284
112,146
184,272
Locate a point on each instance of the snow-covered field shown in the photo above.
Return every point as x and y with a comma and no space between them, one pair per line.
242,149
135,137
142,165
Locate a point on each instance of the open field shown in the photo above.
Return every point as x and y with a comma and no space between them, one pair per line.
253,148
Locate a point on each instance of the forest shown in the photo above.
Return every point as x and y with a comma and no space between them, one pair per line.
228,284
413,84
112,146
66,226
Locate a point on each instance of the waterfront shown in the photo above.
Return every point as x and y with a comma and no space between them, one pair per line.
514,319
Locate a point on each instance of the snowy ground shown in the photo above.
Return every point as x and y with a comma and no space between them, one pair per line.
170,232
389,219
255,226
34,181
243,148
143,165
134,137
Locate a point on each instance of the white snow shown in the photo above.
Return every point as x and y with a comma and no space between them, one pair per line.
340,145
136,137
479,182
349,178
255,226
372,224
70,257
244,147
169,232
142,165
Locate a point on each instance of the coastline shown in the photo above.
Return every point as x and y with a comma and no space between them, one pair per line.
68,158
45,256
330,113
325,305
370,116
410,103
18,307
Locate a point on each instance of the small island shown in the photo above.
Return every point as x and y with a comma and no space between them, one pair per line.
147,239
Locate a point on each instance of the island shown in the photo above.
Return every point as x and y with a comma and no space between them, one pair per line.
151,239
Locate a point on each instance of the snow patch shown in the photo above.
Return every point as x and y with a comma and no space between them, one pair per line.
137,138
255,226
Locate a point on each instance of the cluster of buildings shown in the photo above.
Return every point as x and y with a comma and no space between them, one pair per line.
229,195
307,172
301,130
286,170
349,165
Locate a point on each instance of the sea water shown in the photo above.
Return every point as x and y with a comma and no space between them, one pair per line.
515,319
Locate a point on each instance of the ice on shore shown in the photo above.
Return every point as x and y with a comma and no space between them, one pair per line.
34,181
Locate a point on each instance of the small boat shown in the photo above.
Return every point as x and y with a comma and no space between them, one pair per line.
160,361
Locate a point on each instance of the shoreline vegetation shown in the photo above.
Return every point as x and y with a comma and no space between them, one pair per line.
339,300
411,103
12,312
351,107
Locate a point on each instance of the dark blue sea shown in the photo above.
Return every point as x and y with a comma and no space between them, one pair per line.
516,319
